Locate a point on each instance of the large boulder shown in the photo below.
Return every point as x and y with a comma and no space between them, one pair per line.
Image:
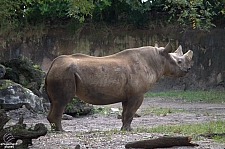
23,71
14,96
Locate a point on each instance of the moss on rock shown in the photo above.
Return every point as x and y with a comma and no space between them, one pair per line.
23,71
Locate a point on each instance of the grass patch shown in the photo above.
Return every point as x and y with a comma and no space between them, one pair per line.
189,129
159,111
206,96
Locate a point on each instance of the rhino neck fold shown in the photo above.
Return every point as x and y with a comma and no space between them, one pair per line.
156,64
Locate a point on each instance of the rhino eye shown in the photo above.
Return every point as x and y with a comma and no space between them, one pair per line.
179,62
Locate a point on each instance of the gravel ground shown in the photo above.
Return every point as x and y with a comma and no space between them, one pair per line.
90,131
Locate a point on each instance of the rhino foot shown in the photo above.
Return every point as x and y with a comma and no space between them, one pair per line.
126,128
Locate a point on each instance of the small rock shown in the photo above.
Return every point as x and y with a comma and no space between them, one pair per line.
67,117
137,115
115,110
119,116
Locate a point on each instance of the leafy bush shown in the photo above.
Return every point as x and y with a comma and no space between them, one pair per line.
47,10
189,13
194,13
78,107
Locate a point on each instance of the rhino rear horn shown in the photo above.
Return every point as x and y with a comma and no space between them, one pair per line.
168,48
179,51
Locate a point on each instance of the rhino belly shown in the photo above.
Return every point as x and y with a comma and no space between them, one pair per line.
100,96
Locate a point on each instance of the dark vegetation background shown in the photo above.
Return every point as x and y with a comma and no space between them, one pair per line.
44,29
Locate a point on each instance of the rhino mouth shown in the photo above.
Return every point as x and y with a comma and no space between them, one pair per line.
184,72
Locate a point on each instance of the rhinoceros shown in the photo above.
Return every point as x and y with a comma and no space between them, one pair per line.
122,77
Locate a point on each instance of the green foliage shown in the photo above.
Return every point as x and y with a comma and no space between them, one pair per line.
135,12
193,13
78,107
199,14
12,9
46,10
80,8
11,15
206,96
5,84
132,12
73,102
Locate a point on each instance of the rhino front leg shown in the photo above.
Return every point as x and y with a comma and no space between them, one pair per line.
129,109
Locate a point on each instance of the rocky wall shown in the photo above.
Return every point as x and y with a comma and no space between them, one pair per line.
208,70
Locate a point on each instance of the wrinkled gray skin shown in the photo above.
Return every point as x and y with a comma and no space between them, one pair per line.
123,77
2,71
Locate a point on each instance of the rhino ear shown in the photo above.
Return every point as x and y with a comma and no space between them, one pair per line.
168,48
179,51
189,54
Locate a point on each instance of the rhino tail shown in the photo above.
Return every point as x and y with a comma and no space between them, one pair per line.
76,74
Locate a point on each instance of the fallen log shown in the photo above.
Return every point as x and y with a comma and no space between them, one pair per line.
3,119
19,131
161,142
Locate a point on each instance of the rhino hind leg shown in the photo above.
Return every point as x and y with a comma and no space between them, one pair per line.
55,116
129,109
60,93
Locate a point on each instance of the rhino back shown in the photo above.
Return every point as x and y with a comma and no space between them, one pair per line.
119,75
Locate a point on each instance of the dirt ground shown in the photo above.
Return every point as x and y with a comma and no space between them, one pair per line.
89,131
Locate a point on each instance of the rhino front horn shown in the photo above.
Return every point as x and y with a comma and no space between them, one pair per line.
189,54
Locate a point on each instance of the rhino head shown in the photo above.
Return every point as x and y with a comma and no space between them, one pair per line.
177,64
